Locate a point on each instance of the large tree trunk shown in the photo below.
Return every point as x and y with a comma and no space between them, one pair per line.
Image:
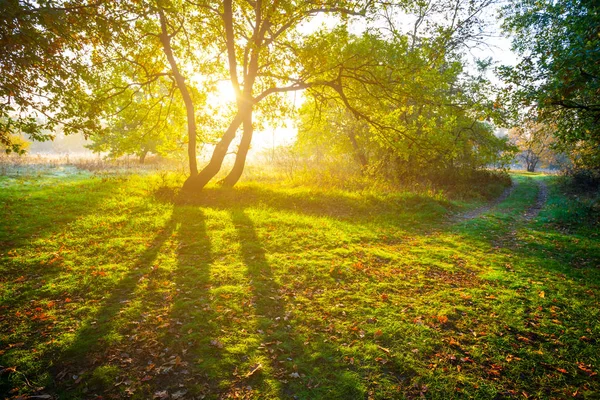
240,158
195,183
187,99
245,102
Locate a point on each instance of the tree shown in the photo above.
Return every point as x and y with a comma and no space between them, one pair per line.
416,111
46,61
534,141
262,41
153,122
130,53
558,75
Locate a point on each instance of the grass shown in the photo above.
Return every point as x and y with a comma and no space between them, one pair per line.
108,288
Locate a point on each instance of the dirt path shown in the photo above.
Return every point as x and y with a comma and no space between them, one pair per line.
485,208
542,197
528,215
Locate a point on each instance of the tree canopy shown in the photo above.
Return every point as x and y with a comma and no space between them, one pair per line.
133,72
558,77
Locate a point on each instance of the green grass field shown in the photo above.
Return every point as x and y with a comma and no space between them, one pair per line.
110,289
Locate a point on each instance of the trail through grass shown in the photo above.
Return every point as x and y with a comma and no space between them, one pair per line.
271,292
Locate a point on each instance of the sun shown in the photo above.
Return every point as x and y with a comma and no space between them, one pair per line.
223,95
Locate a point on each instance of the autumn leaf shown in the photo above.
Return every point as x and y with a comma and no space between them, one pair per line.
254,370
386,351
161,394
586,368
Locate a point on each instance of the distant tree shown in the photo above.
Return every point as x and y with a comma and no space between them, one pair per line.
559,72
534,141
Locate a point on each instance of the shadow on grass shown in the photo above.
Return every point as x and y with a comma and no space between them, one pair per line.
36,213
94,341
195,324
395,209
294,372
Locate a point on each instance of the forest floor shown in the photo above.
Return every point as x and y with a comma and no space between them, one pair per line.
109,289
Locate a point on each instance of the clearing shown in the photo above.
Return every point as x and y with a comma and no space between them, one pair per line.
271,292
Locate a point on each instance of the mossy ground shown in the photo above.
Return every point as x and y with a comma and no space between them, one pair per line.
108,288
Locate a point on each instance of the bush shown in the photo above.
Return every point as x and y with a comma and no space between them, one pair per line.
585,179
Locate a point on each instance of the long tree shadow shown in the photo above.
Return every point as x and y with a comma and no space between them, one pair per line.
297,368
195,325
32,265
97,340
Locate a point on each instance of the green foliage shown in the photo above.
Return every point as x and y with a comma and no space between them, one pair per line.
558,75
153,122
45,63
402,111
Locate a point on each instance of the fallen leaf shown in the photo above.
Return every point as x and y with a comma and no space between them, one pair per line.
178,394
257,368
387,351
161,394
586,368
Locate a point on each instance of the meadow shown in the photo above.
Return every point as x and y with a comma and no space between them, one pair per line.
117,286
